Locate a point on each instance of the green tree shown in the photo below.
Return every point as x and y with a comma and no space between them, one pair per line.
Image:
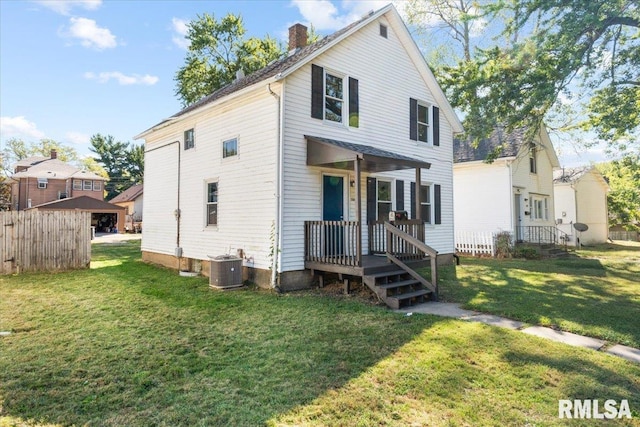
559,48
122,161
217,50
624,198
17,149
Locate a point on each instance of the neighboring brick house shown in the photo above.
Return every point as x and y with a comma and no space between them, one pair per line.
39,180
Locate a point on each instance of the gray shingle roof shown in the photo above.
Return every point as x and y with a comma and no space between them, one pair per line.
570,174
53,169
506,144
129,194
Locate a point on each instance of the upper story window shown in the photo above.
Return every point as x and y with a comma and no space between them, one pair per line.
383,30
77,184
229,147
87,185
189,140
424,122
97,185
334,97
42,182
533,161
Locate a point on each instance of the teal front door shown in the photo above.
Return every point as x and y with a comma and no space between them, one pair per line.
333,210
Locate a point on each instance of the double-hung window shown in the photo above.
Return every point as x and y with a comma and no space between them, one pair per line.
333,97
77,184
189,140
97,185
425,203
423,122
87,185
212,203
533,163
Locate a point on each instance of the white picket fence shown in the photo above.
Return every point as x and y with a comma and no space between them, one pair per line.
475,243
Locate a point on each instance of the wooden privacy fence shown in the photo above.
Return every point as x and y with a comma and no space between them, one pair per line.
44,241
624,235
475,243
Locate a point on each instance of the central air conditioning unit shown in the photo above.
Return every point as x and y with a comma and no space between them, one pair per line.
225,272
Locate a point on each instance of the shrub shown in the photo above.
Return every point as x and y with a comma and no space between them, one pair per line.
503,243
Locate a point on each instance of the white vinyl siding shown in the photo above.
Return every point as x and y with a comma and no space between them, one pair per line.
246,201
384,126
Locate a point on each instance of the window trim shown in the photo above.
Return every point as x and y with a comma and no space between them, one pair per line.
79,184
533,159
97,185
344,100
86,187
426,124
207,203
42,183
235,154
192,140
429,204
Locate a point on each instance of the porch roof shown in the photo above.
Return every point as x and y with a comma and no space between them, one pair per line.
342,155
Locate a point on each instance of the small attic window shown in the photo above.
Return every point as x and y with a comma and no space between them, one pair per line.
383,30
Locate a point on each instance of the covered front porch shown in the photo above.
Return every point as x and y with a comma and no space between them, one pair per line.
394,245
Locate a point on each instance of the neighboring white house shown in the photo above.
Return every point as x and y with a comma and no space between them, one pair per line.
514,193
245,170
581,197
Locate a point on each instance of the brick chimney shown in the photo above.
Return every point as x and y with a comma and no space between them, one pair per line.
297,37
54,154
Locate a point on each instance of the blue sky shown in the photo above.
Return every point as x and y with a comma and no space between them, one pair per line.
71,69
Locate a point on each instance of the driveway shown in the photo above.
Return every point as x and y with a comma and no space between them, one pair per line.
115,237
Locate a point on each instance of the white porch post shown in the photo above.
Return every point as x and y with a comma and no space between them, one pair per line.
417,195
356,167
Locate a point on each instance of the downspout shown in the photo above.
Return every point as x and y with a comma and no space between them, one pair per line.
278,183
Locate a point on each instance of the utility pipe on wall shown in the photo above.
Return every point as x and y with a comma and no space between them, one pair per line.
278,183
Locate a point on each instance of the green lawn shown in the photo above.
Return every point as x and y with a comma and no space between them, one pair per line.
128,344
594,293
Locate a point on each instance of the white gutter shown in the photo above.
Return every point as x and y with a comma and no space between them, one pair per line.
279,184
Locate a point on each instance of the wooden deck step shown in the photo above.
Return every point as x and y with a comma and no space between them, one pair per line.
398,301
386,274
401,283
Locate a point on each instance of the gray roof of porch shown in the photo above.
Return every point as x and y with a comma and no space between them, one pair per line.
342,155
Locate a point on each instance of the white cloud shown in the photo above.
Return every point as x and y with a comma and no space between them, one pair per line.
326,16
77,138
19,127
180,29
63,7
90,35
122,79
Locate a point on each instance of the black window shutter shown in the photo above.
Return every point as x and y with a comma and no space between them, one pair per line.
354,106
372,188
317,84
413,119
413,200
436,126
437,204
399,195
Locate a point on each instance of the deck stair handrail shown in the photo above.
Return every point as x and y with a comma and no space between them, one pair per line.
543,234
397,243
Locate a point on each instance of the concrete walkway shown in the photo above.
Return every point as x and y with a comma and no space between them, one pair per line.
447,309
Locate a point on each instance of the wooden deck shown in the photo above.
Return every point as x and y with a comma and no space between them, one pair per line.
371,264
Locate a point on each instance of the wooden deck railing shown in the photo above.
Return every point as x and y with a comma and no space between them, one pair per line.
378,237
398,241
332,242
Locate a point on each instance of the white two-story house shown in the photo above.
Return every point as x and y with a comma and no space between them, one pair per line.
298,164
